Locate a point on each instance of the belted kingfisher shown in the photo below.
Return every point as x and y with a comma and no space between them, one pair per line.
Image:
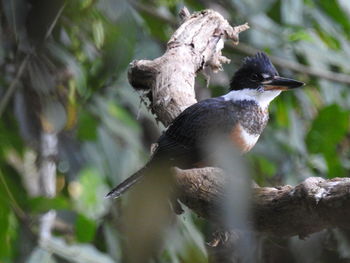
241,115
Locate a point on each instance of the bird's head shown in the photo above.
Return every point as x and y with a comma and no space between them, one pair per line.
258,74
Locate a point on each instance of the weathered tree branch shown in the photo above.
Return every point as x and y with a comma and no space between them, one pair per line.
195,45
284,211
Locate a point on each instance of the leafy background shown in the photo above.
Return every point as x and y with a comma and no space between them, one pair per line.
64,74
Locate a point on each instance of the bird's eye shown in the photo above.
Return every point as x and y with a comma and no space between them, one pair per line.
255,77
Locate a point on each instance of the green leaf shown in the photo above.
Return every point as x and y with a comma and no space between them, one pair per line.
6,236
333,9
89,194
326,132
85,229
43,204
123,115
119,46
328,39
281,113
335,168
217,91
300,35
85,3
264,169
8,220
157,28
9,137
87,126
98,33
267,167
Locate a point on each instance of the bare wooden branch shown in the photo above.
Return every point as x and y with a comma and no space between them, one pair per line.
195,45
284,211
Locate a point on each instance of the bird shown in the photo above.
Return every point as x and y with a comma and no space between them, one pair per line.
240,115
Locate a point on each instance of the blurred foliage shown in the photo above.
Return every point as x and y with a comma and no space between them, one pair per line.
64,71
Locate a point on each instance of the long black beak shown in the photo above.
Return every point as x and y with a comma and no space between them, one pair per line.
279,83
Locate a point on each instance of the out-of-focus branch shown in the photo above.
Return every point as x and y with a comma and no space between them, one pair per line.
13,86
76,253
249,50
47,169
47,180
284,211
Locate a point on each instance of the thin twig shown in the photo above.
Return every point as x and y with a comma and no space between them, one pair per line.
249,50
14,19
4,101
48,33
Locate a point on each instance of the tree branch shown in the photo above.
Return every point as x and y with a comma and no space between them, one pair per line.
284,211
13,86
195,45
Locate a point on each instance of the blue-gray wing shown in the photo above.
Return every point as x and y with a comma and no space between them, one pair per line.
195,126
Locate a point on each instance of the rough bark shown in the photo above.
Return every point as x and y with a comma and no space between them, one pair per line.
195,45
284,211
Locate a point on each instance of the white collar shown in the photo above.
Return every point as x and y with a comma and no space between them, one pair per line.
262,98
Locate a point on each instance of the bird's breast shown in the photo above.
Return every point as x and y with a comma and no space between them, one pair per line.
244,140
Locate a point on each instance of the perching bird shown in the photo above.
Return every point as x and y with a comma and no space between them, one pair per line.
241,115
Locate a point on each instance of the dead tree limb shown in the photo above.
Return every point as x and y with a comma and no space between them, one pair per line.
195,45
283,211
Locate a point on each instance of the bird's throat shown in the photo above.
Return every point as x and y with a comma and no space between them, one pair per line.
261,98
